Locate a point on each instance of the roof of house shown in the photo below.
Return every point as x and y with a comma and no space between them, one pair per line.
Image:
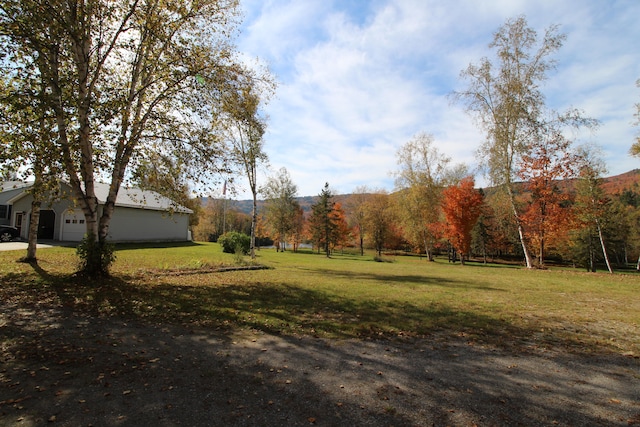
13,185
129,197
133,197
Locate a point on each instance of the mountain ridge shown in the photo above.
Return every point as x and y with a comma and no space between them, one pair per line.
612,185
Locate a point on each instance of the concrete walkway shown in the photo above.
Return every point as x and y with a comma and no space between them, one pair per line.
19,246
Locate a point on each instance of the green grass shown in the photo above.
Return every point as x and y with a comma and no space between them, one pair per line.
347,296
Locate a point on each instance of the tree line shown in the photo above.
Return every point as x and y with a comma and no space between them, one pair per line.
531,212
466,222
154,93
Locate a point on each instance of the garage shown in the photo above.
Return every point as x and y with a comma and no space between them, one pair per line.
46,224
138,215
73,226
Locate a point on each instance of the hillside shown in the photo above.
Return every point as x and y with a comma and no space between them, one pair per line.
626,181
305,202
612,185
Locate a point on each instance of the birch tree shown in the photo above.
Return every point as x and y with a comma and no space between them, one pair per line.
281,207
505,97
127,80
378,217
26,130
356,211
244,131
591,201
423,173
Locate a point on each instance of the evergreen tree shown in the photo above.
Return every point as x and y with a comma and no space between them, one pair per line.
481,232
321,224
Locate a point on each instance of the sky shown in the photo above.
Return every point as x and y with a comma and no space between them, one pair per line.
358,79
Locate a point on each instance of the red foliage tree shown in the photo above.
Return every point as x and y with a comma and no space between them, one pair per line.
341,232
547,215
461,205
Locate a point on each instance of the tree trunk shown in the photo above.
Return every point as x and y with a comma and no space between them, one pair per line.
591,266
254,220
525,250
105,220
34,221
527,255
84,191
283,237
604,249
427,250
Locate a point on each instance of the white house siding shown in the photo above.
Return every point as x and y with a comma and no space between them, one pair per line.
24,205
138,216
8,192
137,225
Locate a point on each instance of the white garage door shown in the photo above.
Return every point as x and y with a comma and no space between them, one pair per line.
73,226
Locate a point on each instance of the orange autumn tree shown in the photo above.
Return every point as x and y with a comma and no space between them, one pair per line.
298,231
341,232
549,161
461,205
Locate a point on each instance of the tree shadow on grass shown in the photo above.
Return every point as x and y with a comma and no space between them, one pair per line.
155,245
93,358
404,279
283,308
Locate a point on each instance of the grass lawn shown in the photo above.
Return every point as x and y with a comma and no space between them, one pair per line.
346,296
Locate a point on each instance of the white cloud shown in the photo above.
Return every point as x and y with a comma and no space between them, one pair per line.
357,80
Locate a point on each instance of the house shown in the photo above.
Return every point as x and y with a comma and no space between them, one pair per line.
138,216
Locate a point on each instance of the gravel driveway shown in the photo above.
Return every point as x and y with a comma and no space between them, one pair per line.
64,369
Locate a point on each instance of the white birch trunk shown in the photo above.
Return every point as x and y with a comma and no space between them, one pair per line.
525,250
604,249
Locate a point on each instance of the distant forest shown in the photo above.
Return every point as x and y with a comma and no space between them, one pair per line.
626,185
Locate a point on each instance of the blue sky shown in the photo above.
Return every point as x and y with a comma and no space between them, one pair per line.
357,79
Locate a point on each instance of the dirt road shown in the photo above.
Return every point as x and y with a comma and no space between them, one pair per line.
64,369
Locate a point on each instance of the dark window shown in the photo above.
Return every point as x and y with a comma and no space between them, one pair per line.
4,211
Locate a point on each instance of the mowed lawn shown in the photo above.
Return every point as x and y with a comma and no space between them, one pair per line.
345,296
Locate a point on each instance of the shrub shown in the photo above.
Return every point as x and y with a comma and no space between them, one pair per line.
234,242
95,257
